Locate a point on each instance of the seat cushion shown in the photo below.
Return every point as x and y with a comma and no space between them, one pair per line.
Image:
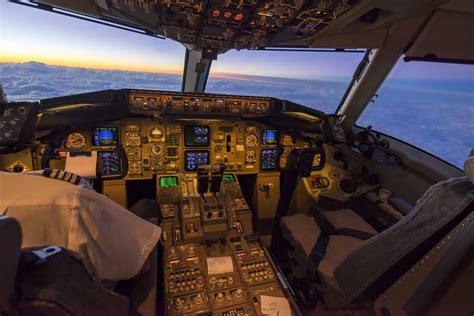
302,232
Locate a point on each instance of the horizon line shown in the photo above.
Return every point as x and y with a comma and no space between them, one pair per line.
174,72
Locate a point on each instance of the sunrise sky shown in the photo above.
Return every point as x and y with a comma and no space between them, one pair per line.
28,34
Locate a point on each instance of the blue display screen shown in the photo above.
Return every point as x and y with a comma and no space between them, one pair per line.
196,136
105,136
194,158
110,163
270,136
269,159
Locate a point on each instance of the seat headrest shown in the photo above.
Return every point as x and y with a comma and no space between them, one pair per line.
469,168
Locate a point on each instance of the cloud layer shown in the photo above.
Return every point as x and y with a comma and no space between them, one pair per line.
437,116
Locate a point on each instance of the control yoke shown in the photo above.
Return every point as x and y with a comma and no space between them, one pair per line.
212,174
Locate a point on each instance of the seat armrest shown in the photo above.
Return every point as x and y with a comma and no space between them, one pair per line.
10,247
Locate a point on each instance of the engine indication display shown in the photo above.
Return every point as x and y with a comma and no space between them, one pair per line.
269,159
105,136
270,136
110,163
194,158
196,136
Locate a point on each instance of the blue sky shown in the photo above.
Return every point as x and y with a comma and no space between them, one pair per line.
27,34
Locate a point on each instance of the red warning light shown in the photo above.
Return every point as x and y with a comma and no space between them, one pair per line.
216,13
239,17
227,14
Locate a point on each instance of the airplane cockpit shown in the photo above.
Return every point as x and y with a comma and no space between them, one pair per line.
261,205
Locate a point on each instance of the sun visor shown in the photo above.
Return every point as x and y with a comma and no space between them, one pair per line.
447,37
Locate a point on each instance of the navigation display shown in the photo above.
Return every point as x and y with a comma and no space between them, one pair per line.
270,136
194,158
196,136
167,182
269,159
110,163
105,136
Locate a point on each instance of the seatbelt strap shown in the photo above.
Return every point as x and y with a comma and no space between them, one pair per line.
353,233
317,254
322,222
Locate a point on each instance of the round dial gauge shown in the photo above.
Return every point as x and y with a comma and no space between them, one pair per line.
76,140
157,163
218,148
134,167
251,140
250,156
156,133
133,139
157,149
134,153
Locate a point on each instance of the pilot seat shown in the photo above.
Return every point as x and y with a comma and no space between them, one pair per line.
346,263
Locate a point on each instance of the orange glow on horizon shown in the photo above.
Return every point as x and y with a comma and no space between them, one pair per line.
65,62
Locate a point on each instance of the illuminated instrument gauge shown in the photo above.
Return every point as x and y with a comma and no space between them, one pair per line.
269,159
287,140
157,163
133,128
76,141
250,156
251,140
157,149
133,139
134,153
156,134
218,148
110,163
134,167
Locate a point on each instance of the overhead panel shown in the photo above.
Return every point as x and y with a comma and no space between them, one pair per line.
216,26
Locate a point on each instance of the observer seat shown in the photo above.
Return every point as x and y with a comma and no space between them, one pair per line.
349,262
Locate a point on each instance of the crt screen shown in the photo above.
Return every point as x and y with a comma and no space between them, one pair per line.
105,136
194,158
228,178
269,136
110,163
269,159
166,182
196,136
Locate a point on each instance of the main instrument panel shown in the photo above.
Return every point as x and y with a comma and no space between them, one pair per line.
158,145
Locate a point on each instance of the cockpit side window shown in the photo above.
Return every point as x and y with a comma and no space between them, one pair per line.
428,105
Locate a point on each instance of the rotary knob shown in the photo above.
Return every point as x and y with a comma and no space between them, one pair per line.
238,293
178,304
220,297
198,299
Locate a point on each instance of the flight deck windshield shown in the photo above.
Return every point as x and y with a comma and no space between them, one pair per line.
44,55
312,78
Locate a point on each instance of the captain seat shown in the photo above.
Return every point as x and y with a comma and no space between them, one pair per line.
350,264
